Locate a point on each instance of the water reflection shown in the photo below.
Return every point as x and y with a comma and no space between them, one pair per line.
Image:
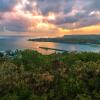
22,43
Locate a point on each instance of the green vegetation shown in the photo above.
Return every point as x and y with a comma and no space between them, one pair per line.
93,39
29,75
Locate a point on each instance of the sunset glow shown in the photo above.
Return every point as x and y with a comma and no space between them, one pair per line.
62,17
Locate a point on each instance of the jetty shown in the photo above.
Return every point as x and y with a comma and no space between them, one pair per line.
47,48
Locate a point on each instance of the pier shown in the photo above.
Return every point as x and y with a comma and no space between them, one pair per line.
47,48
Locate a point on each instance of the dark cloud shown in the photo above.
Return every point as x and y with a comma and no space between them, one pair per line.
56,6
82,16
88,22
18,25
64,20
95,5
7,5
61,8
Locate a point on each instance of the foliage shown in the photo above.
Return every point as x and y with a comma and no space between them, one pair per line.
29,75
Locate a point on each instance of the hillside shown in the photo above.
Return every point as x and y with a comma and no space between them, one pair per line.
95,39
28,75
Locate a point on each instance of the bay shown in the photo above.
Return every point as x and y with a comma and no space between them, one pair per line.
21,42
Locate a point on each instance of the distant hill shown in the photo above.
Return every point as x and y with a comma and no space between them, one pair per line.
95,39
83,36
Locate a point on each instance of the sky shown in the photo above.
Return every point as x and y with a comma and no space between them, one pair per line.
49,17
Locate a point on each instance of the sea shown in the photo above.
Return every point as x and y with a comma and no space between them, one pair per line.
22,43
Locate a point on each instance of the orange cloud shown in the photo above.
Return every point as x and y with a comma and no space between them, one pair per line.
94,29
44,17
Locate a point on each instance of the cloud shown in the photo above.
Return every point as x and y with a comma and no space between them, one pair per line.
7,5
30,15
93,5
18,25
56,6
64,20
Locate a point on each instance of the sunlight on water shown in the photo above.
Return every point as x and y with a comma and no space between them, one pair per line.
21,42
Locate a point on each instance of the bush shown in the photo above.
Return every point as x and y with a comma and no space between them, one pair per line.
29,75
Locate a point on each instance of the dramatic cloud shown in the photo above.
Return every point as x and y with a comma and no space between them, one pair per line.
56,6
48,15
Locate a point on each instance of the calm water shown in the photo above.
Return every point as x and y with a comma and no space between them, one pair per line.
20,42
